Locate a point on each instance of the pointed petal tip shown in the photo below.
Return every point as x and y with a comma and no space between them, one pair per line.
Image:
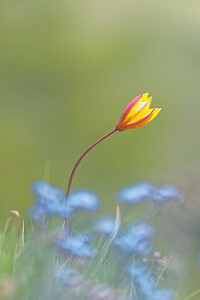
146,94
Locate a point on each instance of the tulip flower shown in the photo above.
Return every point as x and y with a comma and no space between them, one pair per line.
136,114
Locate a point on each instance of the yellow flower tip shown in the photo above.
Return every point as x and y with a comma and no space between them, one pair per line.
15,213
137,113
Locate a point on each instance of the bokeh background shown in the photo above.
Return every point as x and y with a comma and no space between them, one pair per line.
68,69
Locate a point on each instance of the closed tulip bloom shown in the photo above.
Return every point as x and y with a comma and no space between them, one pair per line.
137,113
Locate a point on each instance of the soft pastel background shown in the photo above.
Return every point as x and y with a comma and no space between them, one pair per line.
67,70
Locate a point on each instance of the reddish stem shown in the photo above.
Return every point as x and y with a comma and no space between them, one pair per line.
81,157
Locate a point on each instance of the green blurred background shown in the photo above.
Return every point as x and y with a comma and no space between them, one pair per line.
68,69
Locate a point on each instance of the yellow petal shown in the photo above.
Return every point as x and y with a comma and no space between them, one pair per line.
137,108
147,120
144,97
141,109
156,111
134,110
142,112
150,99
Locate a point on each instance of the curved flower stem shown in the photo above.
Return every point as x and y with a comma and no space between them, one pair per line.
81,157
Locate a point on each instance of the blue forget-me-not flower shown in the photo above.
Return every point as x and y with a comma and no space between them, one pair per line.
77,245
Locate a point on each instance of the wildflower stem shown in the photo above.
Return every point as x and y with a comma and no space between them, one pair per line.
81,157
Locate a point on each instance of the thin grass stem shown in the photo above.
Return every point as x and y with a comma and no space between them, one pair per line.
192,295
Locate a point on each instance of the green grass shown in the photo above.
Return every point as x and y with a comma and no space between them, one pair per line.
29,260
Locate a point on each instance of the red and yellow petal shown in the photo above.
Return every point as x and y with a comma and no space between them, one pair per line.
137,113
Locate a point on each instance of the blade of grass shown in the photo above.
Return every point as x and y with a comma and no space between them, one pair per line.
115,231
22,236
2,242
163,270
105,248
192,295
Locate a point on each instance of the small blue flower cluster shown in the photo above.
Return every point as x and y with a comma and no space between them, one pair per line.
77,245
50,200
145,283
142,191
136,239
131,241
105,225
